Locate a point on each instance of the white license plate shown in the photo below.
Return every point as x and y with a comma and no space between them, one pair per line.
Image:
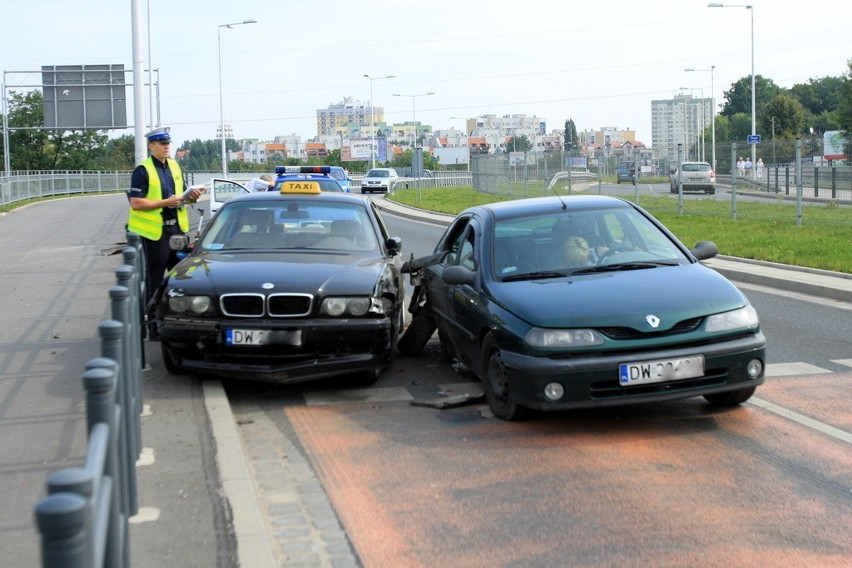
660,371
235,336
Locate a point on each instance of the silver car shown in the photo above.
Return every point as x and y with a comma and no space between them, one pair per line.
379,179
696,176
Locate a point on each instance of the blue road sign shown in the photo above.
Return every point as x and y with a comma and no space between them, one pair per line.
753,138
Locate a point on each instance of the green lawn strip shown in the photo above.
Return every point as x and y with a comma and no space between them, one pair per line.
762,230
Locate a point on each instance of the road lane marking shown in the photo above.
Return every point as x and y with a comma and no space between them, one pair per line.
847,362
796,368
802,419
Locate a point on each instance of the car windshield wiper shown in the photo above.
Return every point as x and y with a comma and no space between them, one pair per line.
625,266
534,275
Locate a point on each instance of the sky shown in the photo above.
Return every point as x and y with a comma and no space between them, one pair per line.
598,63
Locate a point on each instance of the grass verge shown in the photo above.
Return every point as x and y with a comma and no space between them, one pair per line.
761,231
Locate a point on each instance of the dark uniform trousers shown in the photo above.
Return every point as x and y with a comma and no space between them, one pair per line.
160,257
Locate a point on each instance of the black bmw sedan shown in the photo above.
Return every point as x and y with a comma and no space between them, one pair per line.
285,286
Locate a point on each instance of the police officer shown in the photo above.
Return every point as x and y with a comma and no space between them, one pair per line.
156,207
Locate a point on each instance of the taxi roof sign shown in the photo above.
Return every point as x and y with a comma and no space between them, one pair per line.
300,186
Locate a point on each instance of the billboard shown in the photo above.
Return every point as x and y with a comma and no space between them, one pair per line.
834,144
358,150
84,96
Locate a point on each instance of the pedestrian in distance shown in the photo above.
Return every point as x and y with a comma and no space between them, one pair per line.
748,167
759,169
741,167
158,197
263,183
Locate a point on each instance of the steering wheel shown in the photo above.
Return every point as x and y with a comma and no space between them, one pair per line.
614,249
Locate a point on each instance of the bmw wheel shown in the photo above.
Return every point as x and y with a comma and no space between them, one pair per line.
496,386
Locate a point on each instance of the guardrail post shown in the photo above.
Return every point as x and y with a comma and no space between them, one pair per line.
134,255
61,519
816,181
833,183
129,446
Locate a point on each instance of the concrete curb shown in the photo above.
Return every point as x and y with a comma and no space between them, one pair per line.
250,527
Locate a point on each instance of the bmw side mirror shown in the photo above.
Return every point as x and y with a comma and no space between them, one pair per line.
179,243
394,245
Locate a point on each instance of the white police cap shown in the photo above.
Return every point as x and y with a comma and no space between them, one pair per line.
159,134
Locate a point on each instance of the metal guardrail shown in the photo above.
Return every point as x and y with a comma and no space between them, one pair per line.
83,521
21,185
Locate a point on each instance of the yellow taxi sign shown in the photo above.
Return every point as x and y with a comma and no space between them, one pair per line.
300,186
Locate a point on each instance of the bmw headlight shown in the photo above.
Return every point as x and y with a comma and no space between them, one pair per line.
743,318
541,338
197,305
355,306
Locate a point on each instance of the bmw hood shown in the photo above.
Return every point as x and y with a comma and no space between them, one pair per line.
321,273
620,299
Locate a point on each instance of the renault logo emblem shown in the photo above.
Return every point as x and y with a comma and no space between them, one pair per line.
652,320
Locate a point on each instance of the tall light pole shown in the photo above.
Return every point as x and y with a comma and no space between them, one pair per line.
221,104
685,129
750,8
414,113
712,114
700,137
373,117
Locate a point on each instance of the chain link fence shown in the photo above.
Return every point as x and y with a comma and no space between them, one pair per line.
528,174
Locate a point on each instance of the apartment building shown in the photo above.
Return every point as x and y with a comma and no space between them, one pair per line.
680,120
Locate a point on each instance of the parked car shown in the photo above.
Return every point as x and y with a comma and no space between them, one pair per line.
321,174
379,179
219,191
625,171
639,320
342,177
697,176
285,286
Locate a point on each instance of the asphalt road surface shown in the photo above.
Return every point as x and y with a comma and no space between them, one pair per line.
674,484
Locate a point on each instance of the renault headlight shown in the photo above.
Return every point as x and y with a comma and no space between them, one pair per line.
743,318
541,338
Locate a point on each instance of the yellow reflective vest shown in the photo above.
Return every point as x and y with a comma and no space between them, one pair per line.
149,224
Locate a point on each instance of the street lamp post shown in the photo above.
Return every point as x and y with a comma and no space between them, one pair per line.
750,8
373,117
414,113
221,104
700,136
712,114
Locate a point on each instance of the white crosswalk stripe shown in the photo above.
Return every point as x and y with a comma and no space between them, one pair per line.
847,362
794,368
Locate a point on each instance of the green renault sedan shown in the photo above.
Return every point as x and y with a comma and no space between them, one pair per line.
558,303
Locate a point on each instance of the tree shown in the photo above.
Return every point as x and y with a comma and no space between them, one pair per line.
34,148
819,95
844,107
518,144
120,154
571,139
783,116
738,99
739,127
